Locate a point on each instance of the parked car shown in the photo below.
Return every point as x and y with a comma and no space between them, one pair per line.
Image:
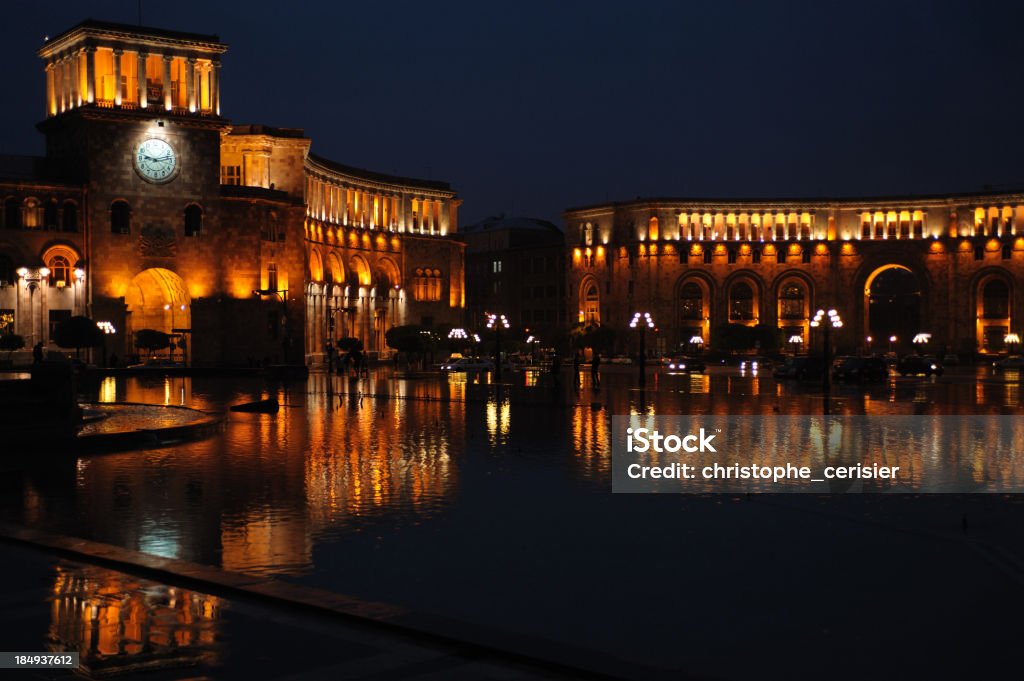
1010,362
755,364
802,368
682,363
917,364
849,368
620,359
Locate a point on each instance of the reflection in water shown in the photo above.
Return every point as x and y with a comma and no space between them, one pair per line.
120,624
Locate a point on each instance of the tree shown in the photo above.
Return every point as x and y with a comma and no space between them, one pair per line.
594,336
11,342
78,332
152,340
409,338
348,344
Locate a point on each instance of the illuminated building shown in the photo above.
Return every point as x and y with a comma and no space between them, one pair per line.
948,266
152,211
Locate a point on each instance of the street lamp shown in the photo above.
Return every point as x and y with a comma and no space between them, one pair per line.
892,339
458,335
796,340
642,321
497,322
869,339
531,342
1012,341
834,321
283,295
921,341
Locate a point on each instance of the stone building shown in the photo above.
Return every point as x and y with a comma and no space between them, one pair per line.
943,270
150,210
516,267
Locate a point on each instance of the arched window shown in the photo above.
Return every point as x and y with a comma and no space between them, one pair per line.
12,214
588,234
193,220
591,304
69,221
652,229
50,221
60,271
995,300
792,299
741,302
427,284
30,218
120,218
7,275
691,302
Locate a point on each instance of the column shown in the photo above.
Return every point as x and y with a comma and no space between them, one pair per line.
117,77
90,74
76,99
143,91
51,100
58,84
167,82
190,82
215,87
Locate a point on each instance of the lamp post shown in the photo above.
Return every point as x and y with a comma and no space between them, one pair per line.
80,279
834,321
796,340
31,280
696,343
869,339
921,342
892,341
531,342
1012,342
642,321
458,334
497,322
283,295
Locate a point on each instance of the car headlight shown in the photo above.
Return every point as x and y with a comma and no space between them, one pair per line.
682,366
671,366
934,367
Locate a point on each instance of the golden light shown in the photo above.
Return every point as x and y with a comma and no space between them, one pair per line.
821,249
847,249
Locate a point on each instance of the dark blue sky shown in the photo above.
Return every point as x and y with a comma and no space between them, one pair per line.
530,108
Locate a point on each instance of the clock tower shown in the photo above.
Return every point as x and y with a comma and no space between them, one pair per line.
133,115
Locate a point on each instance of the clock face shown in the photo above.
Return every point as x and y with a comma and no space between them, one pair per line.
155,161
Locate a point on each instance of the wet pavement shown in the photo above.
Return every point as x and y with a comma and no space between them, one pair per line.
492,506
129,627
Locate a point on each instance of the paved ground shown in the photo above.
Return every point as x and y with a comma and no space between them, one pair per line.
140,629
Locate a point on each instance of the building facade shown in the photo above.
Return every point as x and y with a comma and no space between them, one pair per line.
944,270
150,210
516,267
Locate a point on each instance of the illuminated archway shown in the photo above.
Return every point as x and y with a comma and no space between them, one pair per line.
590,301
316,266
358,266
892,305
993,305
158,299
694,296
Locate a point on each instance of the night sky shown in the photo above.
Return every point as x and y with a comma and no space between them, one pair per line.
530,108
